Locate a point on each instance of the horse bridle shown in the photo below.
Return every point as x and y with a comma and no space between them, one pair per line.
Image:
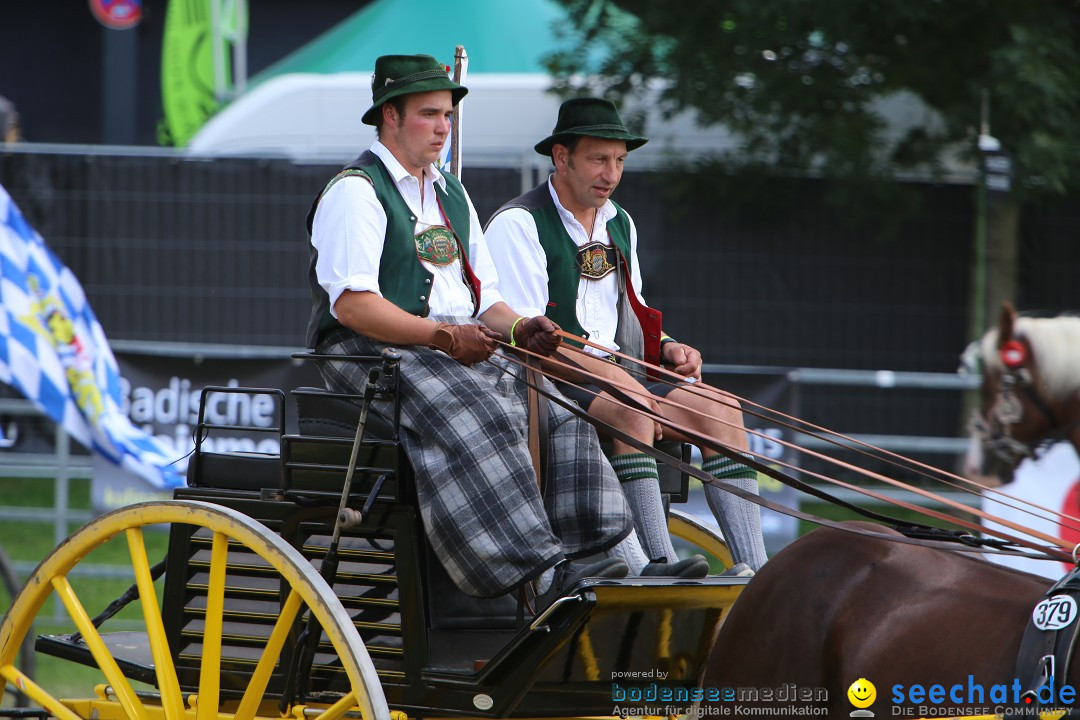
995,436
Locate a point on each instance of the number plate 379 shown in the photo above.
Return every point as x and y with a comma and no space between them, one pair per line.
1054,613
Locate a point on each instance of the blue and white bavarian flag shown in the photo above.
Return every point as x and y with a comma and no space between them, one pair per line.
54,351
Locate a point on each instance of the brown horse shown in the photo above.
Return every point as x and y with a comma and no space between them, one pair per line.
836,607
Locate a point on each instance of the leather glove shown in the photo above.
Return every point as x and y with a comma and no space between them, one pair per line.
468,344
537,334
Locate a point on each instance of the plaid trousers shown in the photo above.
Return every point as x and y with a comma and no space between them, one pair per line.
465,432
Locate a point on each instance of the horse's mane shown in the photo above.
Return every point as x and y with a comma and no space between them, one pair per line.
1055,345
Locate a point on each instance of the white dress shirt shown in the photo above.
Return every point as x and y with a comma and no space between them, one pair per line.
522,267
349,230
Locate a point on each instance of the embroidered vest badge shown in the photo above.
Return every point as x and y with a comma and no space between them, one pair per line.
436,245
596,260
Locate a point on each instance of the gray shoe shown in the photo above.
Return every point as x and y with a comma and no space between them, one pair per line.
738,570
567,574
695,566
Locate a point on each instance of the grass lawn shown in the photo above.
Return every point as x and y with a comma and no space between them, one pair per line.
30,542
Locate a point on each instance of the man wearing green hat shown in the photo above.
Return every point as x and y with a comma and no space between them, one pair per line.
566,250
398,259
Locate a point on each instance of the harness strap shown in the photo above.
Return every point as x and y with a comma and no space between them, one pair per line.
1037,399
539,436
1049,642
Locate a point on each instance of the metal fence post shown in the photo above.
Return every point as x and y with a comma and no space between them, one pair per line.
61,501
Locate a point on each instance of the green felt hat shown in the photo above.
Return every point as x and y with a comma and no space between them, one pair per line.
397,75
589,117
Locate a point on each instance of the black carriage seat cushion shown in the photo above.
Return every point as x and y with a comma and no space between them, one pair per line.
235,470
323,413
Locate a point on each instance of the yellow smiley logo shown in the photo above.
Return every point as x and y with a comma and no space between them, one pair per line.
862,693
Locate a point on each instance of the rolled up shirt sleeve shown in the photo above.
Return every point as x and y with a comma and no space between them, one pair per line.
348,232
514,244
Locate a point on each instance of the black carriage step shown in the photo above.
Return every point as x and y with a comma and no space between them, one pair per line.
565,661
130,649
366,583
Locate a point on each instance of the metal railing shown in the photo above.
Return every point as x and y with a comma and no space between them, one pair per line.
880,379
60,465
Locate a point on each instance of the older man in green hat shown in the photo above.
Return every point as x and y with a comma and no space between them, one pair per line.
398,259
567,250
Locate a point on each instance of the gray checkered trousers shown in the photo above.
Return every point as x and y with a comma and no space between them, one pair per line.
465,431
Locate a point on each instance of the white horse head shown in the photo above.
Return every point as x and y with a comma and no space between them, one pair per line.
1030,391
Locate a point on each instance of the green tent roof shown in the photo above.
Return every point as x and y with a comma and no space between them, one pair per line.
500,36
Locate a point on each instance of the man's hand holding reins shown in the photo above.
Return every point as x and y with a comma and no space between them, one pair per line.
682,359
537,334
468,344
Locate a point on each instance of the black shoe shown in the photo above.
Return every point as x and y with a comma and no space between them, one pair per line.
695,566
567,574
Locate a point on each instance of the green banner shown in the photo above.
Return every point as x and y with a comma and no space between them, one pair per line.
190,92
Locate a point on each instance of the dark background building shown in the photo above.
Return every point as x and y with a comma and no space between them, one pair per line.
75,81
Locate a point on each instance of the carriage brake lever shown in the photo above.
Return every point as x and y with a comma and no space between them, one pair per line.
538,623
350,518
296,678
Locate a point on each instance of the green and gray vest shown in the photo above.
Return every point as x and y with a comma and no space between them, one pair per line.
639,330
403,280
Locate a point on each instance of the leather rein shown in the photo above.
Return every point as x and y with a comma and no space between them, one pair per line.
910,533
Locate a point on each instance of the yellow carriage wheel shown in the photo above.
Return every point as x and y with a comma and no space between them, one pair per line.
9,588
307,588
705,537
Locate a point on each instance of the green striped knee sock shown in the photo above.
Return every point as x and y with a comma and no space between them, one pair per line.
641,485
740,520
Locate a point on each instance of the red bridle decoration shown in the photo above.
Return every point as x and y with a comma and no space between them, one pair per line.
1014,354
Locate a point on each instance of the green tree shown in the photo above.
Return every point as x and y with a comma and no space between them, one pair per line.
804,86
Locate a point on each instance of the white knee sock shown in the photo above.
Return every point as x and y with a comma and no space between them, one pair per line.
641,484
740,520
630,552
